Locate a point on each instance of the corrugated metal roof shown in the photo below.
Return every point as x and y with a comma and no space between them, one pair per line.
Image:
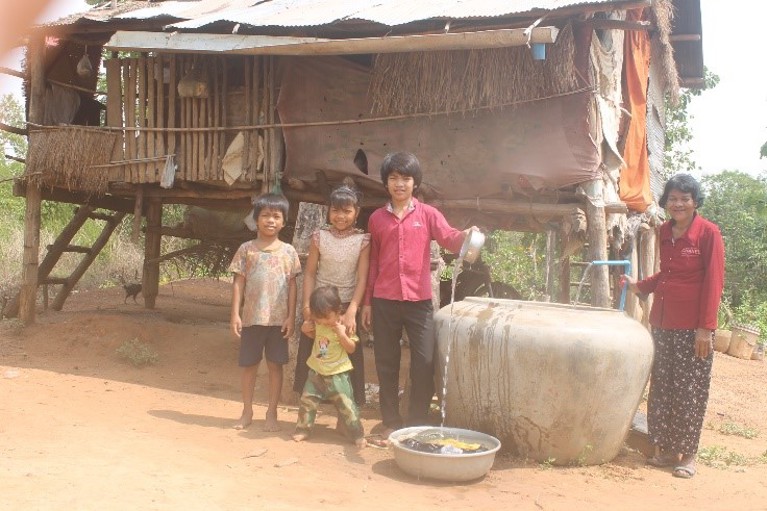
304,13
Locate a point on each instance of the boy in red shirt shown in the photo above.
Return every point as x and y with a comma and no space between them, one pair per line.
398,293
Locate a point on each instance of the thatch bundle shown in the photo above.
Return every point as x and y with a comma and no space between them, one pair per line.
63,156
463,80
663,13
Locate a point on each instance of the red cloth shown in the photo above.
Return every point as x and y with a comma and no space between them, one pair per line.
400,259
688,287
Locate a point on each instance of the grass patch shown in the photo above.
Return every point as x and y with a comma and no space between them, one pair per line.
547,464
734,429
139,354
718,456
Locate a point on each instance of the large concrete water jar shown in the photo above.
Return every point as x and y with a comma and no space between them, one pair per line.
555,383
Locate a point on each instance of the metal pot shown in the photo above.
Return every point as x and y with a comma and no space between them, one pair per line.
471,246
444,467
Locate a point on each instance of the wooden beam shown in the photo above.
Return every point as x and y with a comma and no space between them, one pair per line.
79,198
150,281
13,129
180,42
30,256
684,38
609,24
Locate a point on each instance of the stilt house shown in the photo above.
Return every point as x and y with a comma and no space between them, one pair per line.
527,115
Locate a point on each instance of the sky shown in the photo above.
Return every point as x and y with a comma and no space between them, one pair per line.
729,122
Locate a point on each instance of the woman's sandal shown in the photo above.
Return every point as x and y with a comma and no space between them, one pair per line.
663,460
378,441
684,471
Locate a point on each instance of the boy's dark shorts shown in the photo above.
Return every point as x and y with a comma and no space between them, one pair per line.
258,339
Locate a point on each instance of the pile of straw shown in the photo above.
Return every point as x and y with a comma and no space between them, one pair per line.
663,14
62,156
463,80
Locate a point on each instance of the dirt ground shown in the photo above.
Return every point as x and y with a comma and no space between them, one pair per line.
81,429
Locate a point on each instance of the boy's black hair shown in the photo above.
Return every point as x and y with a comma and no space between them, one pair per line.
324,300
404,163
684,183
345,195
271,201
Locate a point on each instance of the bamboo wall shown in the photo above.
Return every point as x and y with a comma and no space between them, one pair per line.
143,97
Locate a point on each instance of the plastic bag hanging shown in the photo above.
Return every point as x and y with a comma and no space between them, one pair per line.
84,66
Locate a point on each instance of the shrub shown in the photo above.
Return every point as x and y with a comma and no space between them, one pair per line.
138,353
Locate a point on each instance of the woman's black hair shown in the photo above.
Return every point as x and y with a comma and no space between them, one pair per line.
345,195
271,201
404,163
324,300
684,183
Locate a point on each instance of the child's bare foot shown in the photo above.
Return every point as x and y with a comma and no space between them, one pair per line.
361,442
245,420
271,423
300,437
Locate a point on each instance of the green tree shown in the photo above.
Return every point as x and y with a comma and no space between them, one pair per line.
678,155
737,203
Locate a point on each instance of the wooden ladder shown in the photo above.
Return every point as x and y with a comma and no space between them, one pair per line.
63,245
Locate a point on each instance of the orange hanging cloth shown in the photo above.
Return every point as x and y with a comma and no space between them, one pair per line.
634,187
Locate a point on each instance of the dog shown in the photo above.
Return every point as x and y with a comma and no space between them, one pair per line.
131,290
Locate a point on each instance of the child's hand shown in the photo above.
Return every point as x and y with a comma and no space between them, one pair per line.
236,326
367,316
287,328
350,322
308,328
340,329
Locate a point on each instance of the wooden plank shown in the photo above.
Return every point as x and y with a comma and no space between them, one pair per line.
195,140
255,134
130,116
160,110
265,104
285,45
142,137
224,100
172,105
203,136
210,168
138,207
151,113
151,277
216,137
115,103
248,74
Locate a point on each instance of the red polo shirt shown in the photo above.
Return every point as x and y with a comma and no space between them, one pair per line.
399,251
689,285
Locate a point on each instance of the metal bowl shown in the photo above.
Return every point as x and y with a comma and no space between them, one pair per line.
444,467
471,246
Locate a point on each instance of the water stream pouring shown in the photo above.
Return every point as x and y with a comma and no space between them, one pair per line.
469,252
626,271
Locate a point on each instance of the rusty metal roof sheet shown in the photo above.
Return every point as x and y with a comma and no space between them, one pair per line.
305,13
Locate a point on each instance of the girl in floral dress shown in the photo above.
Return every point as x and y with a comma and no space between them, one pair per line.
338,256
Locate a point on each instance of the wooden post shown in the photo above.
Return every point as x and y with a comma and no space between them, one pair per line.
551,262
309,219
648,263
150,281
597,236
28,292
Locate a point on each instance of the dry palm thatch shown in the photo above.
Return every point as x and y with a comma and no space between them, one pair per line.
663,12
63,156
463,80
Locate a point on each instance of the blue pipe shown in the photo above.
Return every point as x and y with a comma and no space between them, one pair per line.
626,271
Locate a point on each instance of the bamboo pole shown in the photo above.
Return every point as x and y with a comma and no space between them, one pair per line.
28,291
210,168
267,102
224,100
195,140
